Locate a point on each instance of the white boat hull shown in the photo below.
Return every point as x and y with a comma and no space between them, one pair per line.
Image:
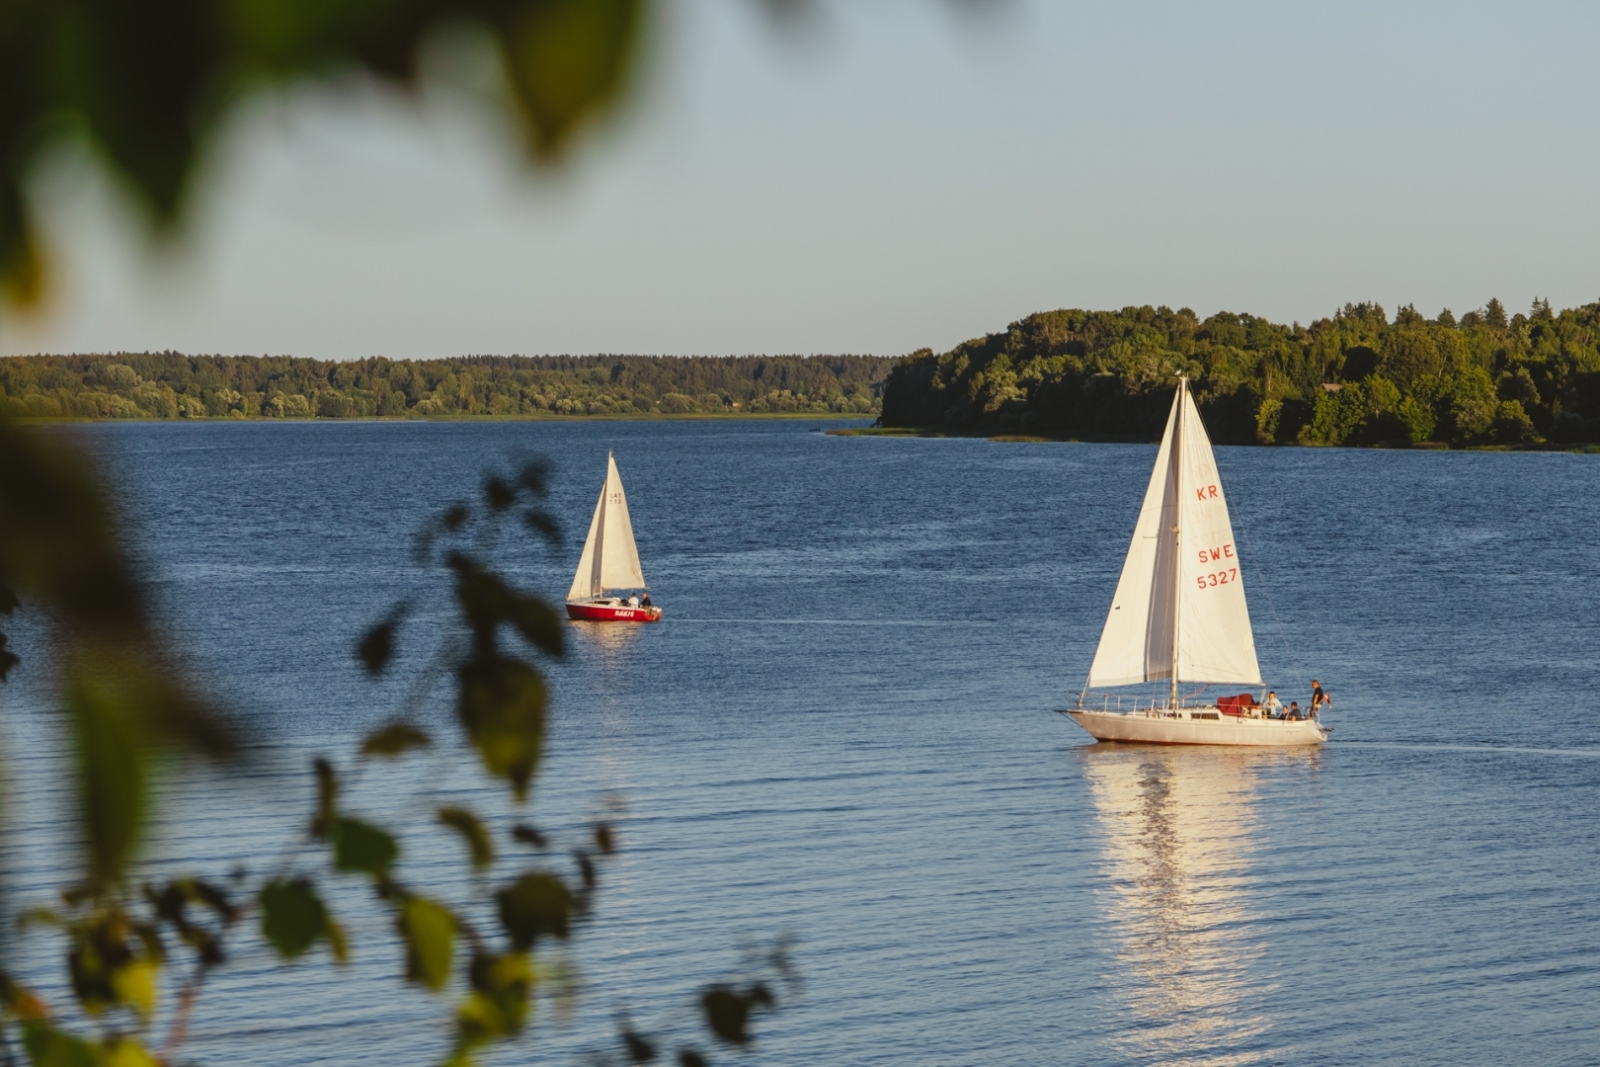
1197,726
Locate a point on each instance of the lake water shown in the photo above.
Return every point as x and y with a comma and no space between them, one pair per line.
843,731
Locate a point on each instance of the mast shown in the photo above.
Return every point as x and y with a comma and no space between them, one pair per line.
598,567
1177,530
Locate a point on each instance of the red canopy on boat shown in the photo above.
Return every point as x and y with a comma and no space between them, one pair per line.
1235,705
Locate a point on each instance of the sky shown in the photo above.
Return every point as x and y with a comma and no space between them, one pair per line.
887,176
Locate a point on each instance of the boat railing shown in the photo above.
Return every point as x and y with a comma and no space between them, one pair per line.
1152,710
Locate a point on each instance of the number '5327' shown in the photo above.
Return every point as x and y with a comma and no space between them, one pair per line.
1219,578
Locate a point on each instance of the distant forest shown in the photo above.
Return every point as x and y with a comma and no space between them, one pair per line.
1356,378
170,385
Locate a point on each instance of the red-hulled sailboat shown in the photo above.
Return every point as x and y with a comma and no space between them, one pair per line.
610,563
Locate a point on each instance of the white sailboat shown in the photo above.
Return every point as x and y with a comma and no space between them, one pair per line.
610,562
1179,612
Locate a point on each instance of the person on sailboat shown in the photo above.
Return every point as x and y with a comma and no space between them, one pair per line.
1293,714
644,601
1319,699
633,600
1273,706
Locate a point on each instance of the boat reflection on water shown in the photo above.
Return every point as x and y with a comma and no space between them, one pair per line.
1177,830
605,641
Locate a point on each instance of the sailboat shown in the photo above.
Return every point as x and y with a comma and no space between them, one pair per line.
610,562
1179,612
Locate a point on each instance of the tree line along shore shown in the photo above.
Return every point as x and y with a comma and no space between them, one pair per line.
1355,378
171,385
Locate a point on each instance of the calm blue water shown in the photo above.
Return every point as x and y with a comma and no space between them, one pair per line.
843,731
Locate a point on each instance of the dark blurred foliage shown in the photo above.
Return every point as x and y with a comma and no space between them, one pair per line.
148,83
1354,379
125,707
169,385
123,700
125,703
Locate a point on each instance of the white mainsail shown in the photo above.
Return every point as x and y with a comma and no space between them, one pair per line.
1179,611
610,558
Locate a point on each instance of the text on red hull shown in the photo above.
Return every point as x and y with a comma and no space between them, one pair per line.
611,613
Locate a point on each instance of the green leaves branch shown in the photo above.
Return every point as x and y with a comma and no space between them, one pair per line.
126,705
117,951
501,703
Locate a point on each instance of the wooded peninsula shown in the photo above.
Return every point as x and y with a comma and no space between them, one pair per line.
1356,378
170,385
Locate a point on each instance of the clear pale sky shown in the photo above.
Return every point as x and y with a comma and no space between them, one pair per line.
897,175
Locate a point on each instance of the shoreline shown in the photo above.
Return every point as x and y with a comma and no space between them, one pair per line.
1581,448
777,416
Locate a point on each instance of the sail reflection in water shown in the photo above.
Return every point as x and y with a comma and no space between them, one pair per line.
1176,831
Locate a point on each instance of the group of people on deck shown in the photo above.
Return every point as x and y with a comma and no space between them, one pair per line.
635,601
1272,707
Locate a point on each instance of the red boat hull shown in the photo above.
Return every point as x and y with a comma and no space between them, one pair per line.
607,613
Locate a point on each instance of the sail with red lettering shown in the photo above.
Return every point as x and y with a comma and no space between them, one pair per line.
1179,610
1215,641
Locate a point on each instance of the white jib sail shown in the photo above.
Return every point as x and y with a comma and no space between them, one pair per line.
1136,644
610,558
1181,579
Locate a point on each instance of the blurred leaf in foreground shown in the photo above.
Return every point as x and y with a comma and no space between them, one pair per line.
396,739
59,548
148,83
430,932
536,905
360,846
473,832
501,702
293,918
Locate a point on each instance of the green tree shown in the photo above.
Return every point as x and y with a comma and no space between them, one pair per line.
1512,425
1410,354
1074,373
1417,417
1472,405
1336,417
